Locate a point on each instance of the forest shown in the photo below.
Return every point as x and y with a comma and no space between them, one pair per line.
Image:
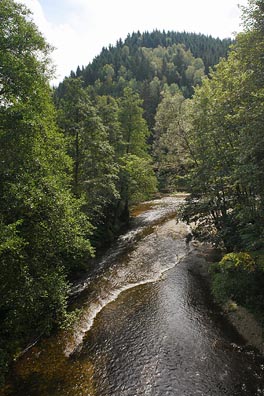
157,112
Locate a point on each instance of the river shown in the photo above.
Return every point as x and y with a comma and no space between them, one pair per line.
147,325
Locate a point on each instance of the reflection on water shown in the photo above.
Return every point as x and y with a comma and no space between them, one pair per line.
147,326
164,339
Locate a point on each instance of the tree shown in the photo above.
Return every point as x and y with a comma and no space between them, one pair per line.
138,179
133,126
172,146
228,138
95,172
136,169
108,109
43,234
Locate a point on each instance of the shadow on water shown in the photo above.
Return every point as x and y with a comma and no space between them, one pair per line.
148,326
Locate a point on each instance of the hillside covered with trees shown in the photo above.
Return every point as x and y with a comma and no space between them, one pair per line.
151,61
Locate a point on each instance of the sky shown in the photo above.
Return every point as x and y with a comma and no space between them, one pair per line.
78,29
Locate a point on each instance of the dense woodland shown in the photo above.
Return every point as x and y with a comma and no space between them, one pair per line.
151,113
151,62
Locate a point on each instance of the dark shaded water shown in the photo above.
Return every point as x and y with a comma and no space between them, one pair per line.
148,326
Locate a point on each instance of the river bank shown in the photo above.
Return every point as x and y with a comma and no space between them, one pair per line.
240,317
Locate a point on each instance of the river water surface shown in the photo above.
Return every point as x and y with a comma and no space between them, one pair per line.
147,325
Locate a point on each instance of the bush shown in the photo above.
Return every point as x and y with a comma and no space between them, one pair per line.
238,277
237,262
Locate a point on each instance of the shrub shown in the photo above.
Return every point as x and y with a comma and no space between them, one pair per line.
237,262
240,278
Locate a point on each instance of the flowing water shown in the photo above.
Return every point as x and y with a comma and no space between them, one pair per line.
147,325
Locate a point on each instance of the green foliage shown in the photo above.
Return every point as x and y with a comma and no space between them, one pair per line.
237,287
147,62
171,147
237,261
43,233
138,178
129,56
240,278
23,55
95,171
104,135
133,126
227,141
108,110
